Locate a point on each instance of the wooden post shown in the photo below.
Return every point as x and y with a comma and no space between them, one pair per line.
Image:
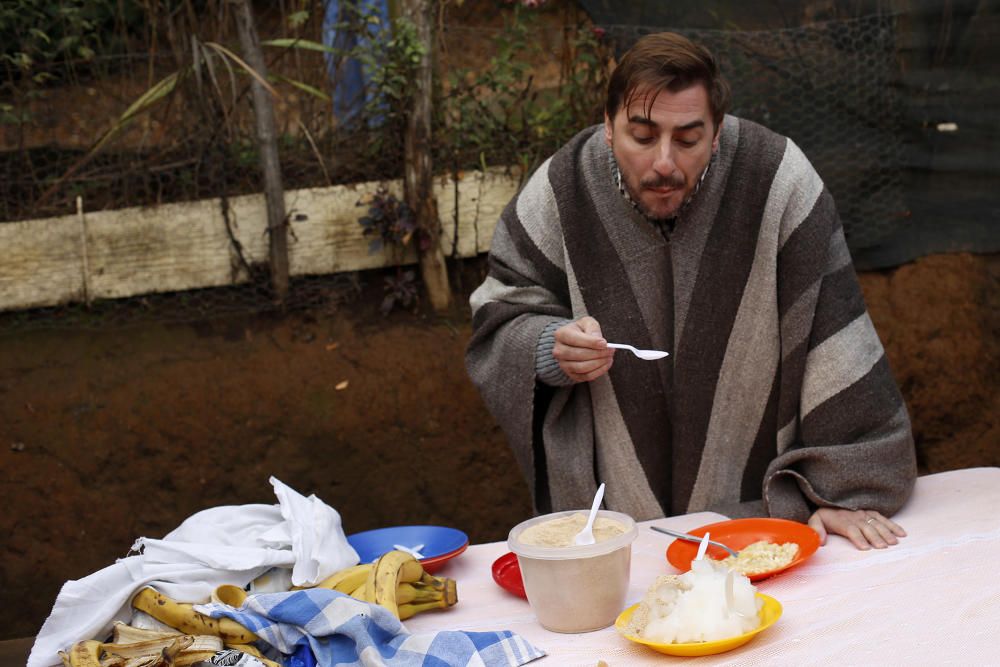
418,174
84,250
267,145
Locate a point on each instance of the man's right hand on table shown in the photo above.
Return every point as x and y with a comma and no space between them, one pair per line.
864,528
581,350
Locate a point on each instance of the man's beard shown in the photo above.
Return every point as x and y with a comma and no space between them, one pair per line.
672,181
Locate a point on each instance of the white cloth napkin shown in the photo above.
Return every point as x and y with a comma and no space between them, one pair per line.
232,544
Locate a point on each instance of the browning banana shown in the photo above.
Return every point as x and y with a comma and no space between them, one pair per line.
183,617
86,653
250,649
189,657
176,643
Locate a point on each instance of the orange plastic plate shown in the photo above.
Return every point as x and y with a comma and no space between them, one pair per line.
739,533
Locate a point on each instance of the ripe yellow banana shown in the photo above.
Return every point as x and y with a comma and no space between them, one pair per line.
413,608
183,617
83,654
391,569
447,587
429,593
428,580
360,592
230,595
450,592
348,579
406,593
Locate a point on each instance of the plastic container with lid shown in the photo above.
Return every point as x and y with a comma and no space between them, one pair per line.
577,588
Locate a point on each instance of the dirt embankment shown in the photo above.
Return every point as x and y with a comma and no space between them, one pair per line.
109,435
939,319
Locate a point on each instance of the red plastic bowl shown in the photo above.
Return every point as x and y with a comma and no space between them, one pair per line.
507,573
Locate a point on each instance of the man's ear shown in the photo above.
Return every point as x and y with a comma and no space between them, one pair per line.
607,129
715,139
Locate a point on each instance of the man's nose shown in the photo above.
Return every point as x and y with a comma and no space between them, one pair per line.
664,162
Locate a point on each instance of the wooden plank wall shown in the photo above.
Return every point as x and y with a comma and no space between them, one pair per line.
174,247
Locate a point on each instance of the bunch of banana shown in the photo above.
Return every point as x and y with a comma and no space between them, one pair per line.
396,581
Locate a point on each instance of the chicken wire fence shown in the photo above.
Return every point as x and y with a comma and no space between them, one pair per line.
198,140
512,94
193,146
831,88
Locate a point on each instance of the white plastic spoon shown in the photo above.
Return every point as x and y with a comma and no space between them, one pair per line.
731,594
586,536
648,355
413,551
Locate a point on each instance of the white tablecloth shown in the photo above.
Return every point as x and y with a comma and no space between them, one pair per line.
933,599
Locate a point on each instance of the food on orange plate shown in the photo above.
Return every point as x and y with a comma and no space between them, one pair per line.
763,556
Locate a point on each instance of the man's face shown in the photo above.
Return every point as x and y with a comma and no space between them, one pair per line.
661,156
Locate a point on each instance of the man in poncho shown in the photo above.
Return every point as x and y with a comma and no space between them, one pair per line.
677,227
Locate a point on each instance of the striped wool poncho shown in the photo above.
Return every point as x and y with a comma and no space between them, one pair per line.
777,397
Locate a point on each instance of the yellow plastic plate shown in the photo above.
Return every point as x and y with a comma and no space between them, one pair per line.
769,614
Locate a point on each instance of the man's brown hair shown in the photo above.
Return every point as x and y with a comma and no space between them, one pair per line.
667,61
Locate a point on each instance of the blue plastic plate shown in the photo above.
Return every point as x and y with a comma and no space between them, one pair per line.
440,543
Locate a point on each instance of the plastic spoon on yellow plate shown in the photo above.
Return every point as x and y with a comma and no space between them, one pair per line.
703,547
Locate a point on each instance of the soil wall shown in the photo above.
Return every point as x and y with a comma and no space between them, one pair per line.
109,435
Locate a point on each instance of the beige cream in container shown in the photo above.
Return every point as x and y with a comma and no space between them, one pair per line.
574,588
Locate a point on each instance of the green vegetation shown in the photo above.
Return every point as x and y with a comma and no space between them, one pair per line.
500,115
189,134
37,33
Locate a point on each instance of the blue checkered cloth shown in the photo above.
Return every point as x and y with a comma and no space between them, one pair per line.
343,631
